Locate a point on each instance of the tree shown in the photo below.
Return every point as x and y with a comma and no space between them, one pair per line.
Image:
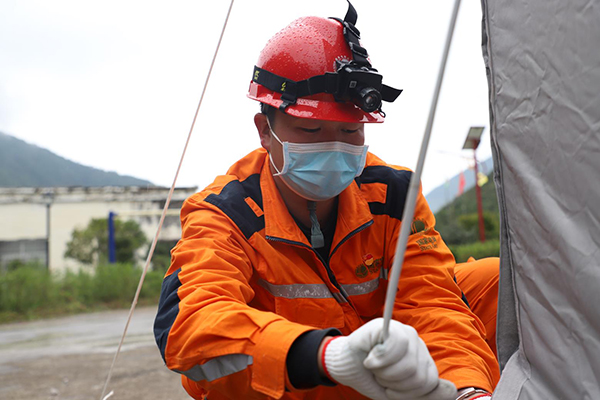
458,222
90,245
470,223
464,228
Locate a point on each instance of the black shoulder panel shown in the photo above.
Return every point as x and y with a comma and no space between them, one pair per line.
397,188
168,309
231,202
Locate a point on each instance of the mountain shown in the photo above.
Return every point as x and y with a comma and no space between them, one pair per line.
446,193
26,165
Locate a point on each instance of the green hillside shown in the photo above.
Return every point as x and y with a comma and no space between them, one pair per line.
458,223
26,165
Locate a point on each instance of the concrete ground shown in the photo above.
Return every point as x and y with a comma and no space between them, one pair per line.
69,359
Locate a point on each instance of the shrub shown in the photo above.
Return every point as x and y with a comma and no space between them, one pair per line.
25,288
115,283
462,252
464,228
30,291
152,285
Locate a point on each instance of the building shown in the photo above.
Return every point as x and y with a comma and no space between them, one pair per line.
37,223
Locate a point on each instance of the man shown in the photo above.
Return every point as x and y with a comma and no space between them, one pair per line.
277,286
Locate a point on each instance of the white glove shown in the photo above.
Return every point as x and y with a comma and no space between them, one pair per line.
343,361
402,364
401,368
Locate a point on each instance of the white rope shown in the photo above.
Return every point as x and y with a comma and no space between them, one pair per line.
413,189
108,395
164,213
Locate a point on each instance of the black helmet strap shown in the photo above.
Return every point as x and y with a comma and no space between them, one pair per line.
327,83
352,35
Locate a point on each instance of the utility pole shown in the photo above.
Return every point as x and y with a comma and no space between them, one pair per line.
48,199
112,248
472,142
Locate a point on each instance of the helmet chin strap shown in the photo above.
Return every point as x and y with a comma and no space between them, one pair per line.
317,240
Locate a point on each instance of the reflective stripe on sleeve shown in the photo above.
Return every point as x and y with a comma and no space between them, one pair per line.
218,367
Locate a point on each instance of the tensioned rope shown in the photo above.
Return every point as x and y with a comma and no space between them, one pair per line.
164,213
413,189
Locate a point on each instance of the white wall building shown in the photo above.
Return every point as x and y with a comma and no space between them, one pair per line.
32,217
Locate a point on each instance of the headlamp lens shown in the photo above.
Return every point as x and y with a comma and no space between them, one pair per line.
369,99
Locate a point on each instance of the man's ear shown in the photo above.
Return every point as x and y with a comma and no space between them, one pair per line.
260,120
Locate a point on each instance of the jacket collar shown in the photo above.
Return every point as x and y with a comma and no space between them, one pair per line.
353,211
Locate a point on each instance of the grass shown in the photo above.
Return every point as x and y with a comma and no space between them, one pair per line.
462,252
31,292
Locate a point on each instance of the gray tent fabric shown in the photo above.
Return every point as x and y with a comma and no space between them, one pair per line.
543,64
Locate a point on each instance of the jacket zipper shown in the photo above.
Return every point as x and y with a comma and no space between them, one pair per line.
325,263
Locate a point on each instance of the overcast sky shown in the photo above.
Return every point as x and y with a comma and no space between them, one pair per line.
114,84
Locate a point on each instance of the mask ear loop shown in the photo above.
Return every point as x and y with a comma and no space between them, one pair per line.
284,149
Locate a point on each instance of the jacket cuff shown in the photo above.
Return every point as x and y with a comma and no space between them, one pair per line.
269,369
302,359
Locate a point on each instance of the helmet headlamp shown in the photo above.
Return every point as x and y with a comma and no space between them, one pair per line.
353,81
360,85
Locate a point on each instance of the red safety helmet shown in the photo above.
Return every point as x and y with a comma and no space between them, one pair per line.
309,53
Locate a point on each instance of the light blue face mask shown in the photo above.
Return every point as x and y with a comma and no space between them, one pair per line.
320,171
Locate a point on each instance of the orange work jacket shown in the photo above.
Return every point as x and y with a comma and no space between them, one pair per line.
245,282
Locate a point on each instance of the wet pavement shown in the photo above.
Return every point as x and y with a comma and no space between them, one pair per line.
69,358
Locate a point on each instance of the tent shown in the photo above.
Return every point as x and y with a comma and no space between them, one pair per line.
543,63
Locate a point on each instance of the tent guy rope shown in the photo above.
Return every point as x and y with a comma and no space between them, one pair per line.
164,212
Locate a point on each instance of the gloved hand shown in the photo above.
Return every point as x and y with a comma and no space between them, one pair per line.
402,364
343,360
401,368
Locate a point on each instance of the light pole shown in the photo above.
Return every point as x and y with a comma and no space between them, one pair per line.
112,248
472,142
48,199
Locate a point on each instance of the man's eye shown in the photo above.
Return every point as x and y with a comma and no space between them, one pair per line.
349,130
308,130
